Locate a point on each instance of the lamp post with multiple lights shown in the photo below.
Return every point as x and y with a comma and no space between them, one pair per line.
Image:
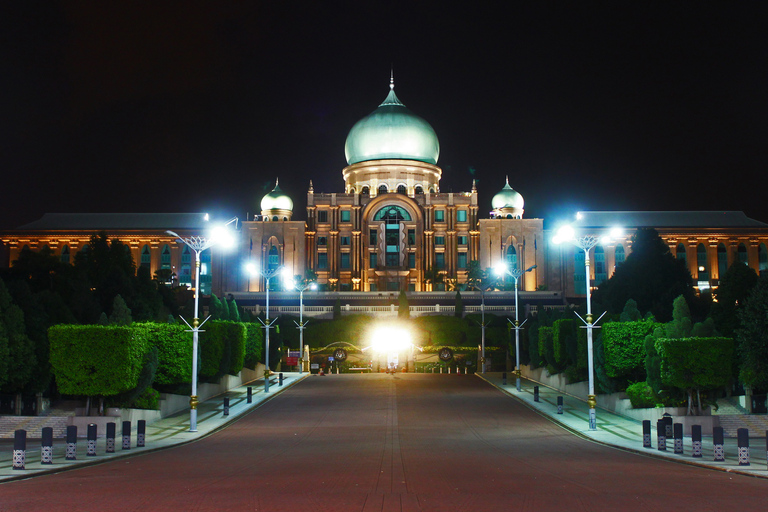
586,243
515,274
219,235
301,324
267,275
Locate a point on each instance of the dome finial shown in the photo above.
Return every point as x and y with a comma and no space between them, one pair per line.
392,77
277,182
507,179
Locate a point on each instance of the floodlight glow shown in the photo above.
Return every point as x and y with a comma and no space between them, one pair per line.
220,235
617,232
390,339
606,240
313,286
501,268
289,282
579,216
251,268
564,234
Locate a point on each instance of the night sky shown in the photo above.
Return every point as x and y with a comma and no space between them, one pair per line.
175,107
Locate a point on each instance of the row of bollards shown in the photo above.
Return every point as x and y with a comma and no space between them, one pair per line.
666,429
46,453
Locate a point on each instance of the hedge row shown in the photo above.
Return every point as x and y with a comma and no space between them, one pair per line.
97,360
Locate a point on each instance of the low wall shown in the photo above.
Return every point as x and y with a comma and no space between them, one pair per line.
618,403
169,404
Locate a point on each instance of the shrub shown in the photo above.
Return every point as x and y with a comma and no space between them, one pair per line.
624,346
546,347
149,399
641,395
97,360
254,344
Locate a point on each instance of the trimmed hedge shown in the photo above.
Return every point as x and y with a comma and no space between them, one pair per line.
564,341
624,348
97,360
174,351
254,345
696,363
547,348
222,349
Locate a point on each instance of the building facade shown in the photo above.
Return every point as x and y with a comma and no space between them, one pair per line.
391,228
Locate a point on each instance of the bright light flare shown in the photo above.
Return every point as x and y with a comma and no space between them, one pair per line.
564,234
251,268
500,269
222,236
390,339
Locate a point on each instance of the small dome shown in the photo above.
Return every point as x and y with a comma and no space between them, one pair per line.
276,200
507,198
392,132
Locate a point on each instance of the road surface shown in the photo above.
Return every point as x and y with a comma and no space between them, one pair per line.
405,442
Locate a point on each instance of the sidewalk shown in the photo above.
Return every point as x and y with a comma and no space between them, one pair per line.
625,433
170,431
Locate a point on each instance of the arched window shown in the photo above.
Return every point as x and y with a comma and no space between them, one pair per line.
273,261
365,190
510,258
431,190
579,274
418,190
382,189
722,260
165,257
762,258
401,189
185,276
146,257
600,272
742,254
65,254
392,213
680,252
701,263
619,255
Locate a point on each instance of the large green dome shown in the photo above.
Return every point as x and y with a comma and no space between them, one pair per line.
276,200
392,132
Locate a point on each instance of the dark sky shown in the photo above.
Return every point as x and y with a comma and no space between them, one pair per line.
175,107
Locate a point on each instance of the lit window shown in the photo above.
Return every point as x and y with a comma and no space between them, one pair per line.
439,215
345,215
461,216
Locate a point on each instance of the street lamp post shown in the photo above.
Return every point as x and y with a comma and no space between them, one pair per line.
515,273
586,243
301,324
267,274
198,244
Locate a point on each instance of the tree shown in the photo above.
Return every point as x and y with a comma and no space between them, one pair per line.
734,288
752,336
216,309
433,276
695,365
120,315
20,360
651,276
475,276
630,312
234,312
458,310
403,309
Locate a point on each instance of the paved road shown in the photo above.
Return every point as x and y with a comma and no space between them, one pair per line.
380,443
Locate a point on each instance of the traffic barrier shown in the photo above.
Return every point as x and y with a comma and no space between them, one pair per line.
742,435
717,443
111,428
559,405
249,396
678,432
46,448
126,435
504,379
141,433
19,449
696,440
91,447
71,453
226,406
661,435
280,377
535,393
647,434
